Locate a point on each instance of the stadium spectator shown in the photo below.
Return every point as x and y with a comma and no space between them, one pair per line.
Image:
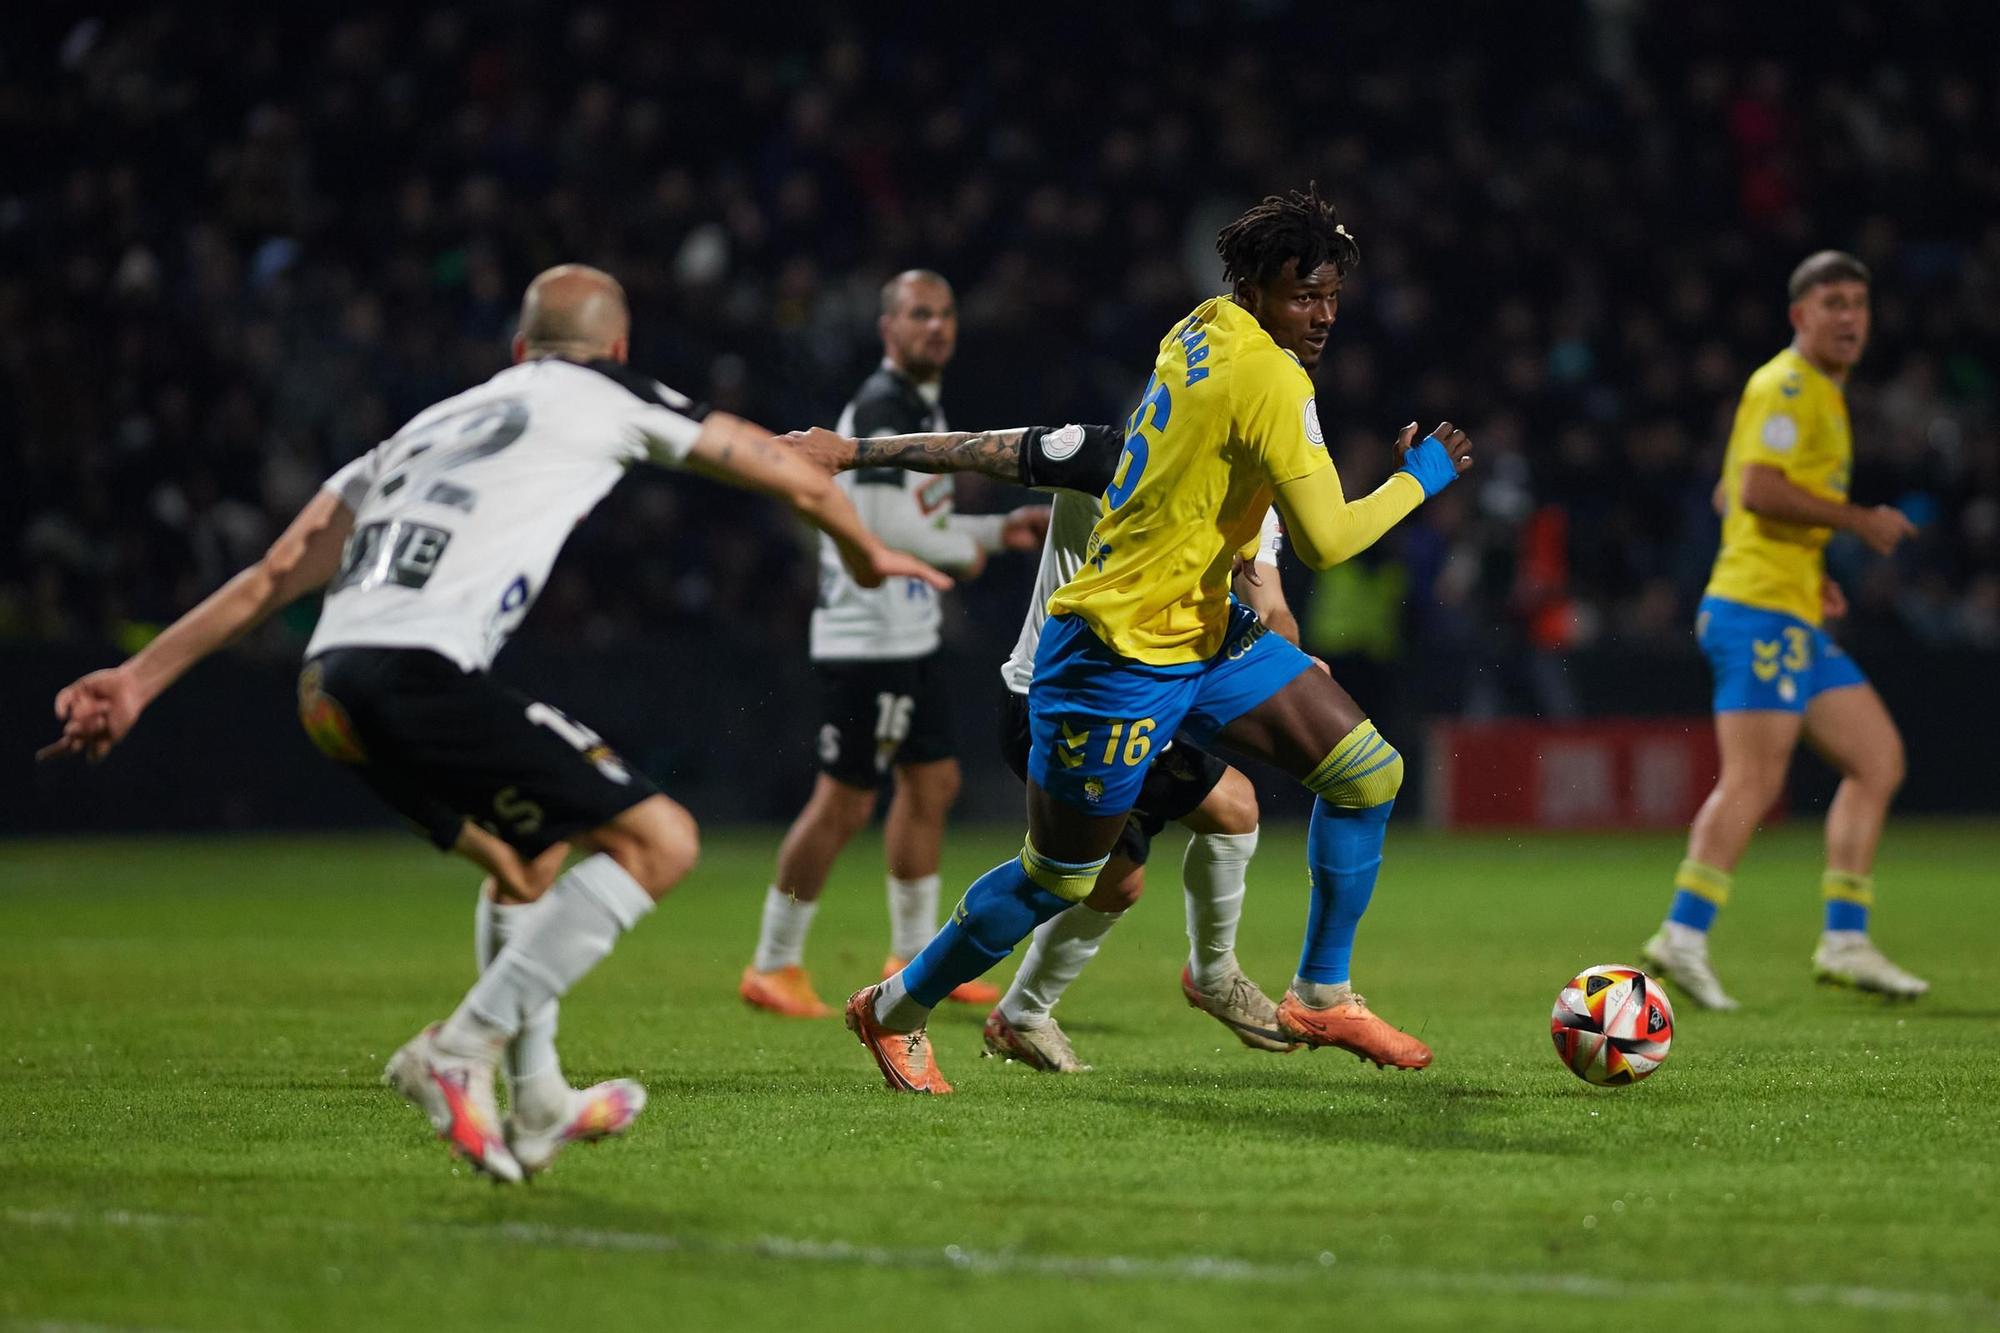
207,301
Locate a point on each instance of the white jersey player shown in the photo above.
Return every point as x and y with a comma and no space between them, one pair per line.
1186,783
885,705
459,517
432,548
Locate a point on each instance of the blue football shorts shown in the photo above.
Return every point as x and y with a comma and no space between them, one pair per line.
1769,660
1096,718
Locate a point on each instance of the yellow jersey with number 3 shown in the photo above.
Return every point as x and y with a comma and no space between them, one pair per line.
1793,418
1226,418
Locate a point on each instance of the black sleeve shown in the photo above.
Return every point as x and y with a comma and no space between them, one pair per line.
649,390
1071,458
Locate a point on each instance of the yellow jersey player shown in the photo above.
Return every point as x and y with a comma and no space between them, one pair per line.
1777,674
1146,641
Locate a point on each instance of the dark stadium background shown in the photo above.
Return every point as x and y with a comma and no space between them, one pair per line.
239,245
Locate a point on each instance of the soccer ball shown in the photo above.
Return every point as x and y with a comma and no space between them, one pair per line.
1612,1025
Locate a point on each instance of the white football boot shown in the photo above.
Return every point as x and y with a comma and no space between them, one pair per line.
455,1093
1850,958
1242,1007
600,1111
1045,1046
1681,956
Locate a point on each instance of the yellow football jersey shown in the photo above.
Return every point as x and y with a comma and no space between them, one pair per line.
1793,418
1226,417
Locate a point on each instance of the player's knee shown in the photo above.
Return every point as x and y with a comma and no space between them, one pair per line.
1364,770
1232,806
843,809
1885,768
1118,887
1755,783
1072,882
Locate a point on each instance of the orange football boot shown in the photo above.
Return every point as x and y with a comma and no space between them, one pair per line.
1351,1026
903,1057
787,991
972,992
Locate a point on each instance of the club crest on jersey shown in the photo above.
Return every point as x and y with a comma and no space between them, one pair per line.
935,495
1093,789
1313,432
1060,444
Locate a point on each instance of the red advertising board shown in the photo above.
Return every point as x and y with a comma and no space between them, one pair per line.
1602,774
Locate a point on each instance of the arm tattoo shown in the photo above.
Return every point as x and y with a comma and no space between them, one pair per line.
995,453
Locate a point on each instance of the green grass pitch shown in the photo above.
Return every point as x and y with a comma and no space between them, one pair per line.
192,1135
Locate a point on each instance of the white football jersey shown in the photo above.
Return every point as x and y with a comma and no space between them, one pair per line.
909,511
1072,517
460,515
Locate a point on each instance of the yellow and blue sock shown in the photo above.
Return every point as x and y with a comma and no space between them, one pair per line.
1356,785
1699,893
1848,898
1001,909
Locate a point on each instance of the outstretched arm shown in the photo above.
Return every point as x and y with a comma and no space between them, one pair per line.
98,710
735,451
1326,528
992,453
1062,458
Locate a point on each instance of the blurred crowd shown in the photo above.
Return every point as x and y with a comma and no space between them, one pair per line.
239,246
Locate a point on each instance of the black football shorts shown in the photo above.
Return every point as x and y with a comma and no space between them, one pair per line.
875,715
442,745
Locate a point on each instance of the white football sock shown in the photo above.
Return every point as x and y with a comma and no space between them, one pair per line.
913,914
1212,875
896,1010
1061,947
781,941
573,928
537,1092
1322,994
1683,936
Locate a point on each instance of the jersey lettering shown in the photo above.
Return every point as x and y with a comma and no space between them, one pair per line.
399,551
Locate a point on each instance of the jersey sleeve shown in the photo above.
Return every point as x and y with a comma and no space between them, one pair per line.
1277,418
1070,458
655,422
353,482
1770,426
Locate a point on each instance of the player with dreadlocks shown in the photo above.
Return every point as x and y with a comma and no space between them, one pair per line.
1146,641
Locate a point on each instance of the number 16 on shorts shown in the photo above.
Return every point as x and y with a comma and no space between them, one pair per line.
1100,757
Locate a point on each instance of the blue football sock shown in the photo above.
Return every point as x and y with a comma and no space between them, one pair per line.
1344,849
1699,893
1848,898
1001,909
1692,910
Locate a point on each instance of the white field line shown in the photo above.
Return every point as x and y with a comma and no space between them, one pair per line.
1183,1268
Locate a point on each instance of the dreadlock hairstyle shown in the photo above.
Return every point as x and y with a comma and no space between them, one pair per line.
1299,225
